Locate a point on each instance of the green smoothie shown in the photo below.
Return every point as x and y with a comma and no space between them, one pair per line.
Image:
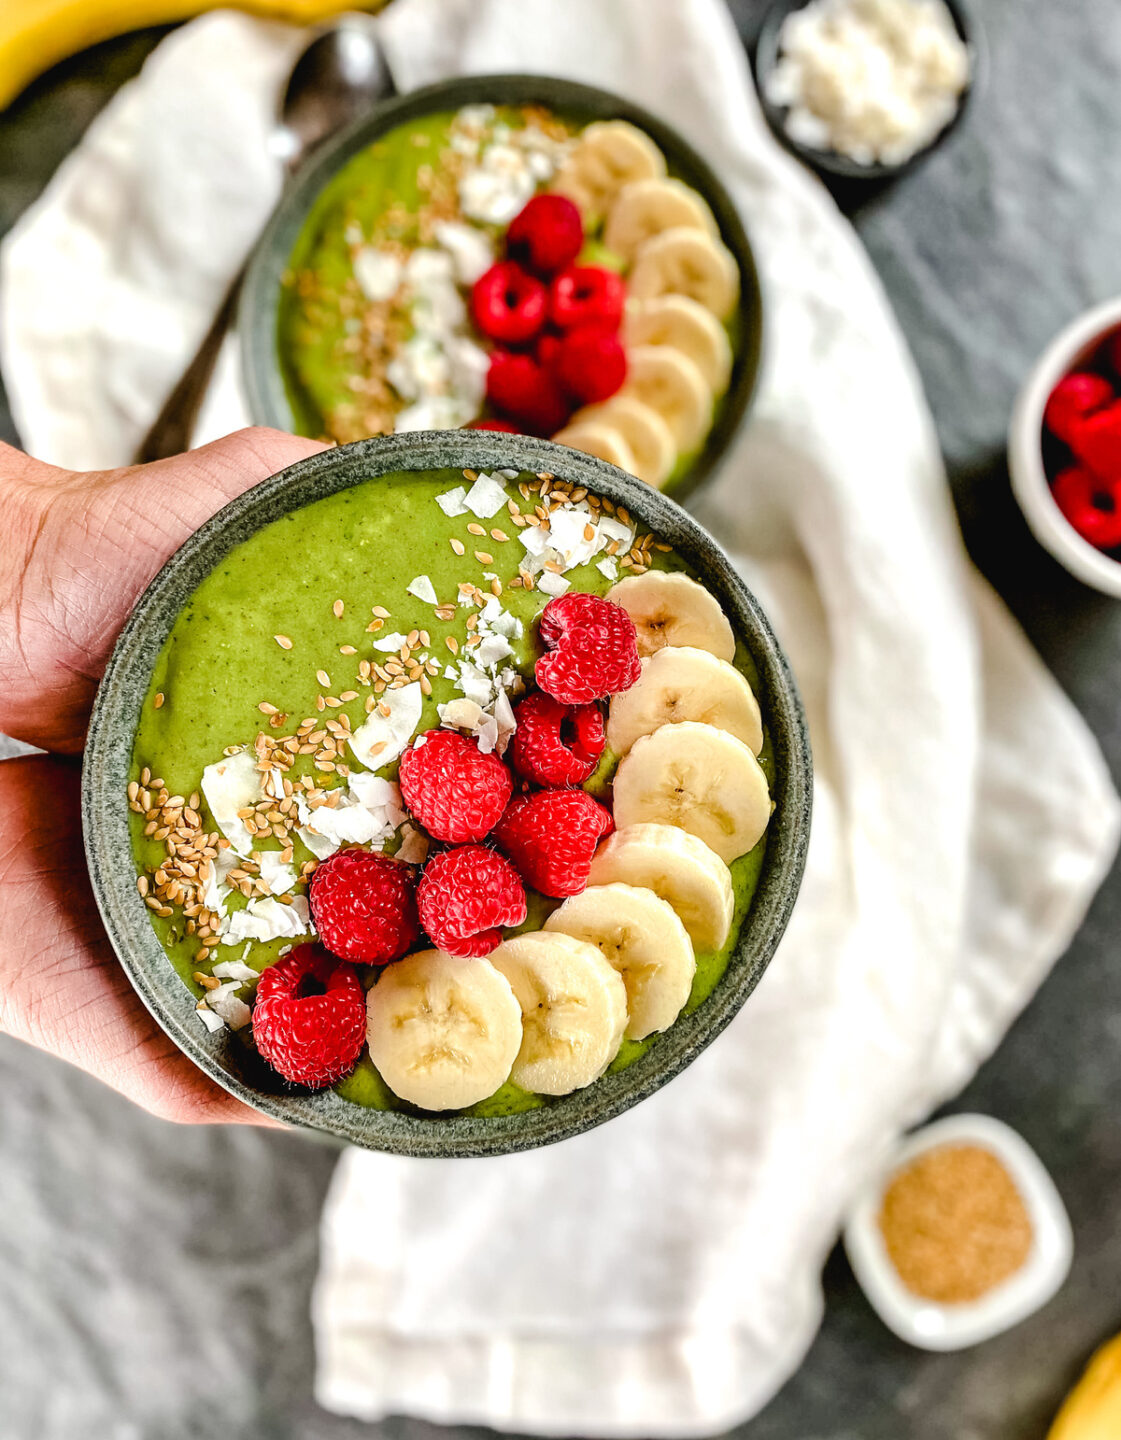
342,323
281,635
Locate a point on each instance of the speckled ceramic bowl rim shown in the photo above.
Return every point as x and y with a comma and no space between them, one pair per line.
262,381
828,162
108,759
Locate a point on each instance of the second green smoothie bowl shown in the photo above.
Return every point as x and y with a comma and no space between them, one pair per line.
446,793
513,252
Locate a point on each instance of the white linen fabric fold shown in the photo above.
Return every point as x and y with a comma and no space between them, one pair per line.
658,1276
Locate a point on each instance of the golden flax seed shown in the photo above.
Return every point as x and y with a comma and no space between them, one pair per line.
283,641
338,608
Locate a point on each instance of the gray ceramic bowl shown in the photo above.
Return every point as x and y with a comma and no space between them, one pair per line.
262,378
108,757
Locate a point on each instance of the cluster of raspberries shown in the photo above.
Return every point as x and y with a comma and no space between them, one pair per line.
554,323
542,831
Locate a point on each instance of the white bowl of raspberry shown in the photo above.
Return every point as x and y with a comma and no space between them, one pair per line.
1064,448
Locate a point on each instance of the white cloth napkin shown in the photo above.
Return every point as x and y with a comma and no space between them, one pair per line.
658,1276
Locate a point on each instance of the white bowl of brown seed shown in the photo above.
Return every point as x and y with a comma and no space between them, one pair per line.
961,1235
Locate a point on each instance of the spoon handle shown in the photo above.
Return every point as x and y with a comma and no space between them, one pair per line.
170,432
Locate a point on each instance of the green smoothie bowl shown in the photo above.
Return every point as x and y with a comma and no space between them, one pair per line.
511,252
446,793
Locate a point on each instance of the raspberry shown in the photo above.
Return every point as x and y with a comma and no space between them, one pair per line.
556,744
1092,506
523,389
503,426
587,295
364,906
547,235
1096,440
309,1017
551,837
454,790
1073,398
593,649
590,364
464,895
508,305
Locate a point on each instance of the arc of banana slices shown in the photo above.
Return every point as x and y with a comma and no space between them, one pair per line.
680,869
700,778
684,683
647,207
574,1010
600,438
443,1032
685,325
644,940
669,383
644,431
608,155
670,608
683,261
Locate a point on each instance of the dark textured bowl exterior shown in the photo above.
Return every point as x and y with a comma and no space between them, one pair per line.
257,314
828,162
108,759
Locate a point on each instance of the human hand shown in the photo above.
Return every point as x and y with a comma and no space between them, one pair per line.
77,551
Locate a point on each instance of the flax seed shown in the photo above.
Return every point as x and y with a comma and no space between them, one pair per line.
320,703
457,545
483,558
157,700
380,611
347,650
371,701
337,609
348,695
476,529
384,709
283,641
266,709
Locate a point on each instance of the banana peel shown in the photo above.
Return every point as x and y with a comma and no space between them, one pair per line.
1092,1410
36,34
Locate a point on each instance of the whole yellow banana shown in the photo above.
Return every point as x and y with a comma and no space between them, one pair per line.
1092,1410
36,34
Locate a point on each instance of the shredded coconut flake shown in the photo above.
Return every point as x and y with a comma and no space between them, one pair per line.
451,502
381,738
486,497
423,588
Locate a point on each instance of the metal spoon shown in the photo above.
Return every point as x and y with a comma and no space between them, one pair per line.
340,75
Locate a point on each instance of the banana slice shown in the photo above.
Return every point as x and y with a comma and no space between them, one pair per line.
644,941
643,430
574,1010
682,324
672,386
680,869
608,155
596,437
687,262
647,207
683,683
700,778
668,608
443,1032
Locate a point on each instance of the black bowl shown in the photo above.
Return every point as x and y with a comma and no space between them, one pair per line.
828,162
108,761
258,310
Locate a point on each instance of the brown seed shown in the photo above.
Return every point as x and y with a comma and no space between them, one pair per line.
452,643
283,641
338,608
157,700
471,475
384,708
496,587
457,545
425,685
